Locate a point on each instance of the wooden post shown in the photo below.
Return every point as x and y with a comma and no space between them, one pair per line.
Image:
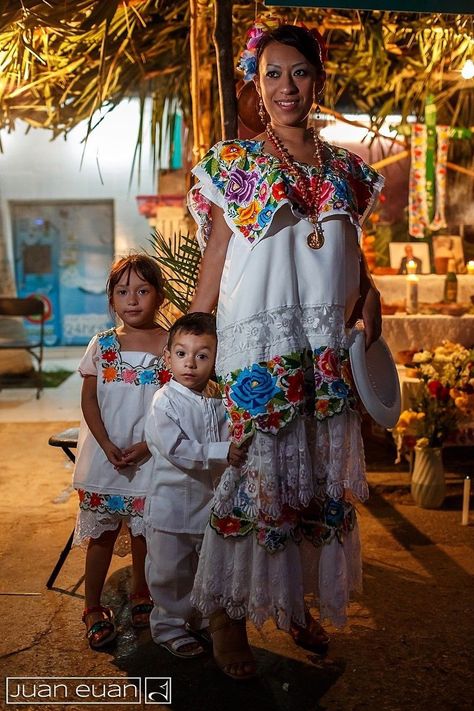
201,78
225,67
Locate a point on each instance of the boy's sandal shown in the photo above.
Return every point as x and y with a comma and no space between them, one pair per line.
203,634
105,628
175,646
313,637
141,612
237,653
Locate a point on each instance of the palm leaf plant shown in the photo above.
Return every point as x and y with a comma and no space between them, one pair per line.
179,259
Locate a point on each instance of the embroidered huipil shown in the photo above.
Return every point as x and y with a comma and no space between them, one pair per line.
282,357
126,383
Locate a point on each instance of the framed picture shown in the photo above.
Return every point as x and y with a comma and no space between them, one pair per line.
403,252
446,247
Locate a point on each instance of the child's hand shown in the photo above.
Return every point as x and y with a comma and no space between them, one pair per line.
114,455
135,453
237,455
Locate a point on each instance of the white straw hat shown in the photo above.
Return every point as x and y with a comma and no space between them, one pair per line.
376,379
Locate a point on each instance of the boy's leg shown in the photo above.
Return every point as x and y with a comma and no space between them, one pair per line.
169,569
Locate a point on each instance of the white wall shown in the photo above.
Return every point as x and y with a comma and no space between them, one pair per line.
34,167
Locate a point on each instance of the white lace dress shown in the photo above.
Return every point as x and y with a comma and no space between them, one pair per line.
282,525
126,383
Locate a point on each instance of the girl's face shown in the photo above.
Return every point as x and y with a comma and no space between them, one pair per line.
135,301
287,83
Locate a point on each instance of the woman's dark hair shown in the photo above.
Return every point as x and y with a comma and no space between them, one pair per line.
297,37
146,267
197,323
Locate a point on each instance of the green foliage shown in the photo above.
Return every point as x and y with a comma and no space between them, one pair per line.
179,260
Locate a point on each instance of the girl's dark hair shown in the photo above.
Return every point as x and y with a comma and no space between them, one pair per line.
146,267
297,37
198,323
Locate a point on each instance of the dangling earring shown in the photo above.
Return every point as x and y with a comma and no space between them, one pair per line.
261,111
318,108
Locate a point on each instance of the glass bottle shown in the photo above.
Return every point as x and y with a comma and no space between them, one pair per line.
451,284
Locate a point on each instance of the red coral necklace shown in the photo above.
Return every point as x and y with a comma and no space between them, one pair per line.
311,192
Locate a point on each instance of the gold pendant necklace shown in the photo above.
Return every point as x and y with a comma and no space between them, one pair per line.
315,239
312,197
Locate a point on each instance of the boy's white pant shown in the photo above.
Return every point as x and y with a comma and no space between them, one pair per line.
170,566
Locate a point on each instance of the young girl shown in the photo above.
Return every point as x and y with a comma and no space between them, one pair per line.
122,368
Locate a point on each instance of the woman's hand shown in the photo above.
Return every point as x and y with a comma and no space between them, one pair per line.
372,316
368,307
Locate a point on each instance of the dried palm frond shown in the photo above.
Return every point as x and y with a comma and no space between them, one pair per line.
62,60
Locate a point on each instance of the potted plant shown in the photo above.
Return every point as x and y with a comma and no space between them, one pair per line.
444,398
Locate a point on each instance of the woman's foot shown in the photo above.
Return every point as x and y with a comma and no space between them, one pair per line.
230,646
312,637
100,626
141,609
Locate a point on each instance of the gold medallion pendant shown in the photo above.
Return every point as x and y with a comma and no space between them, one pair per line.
315,240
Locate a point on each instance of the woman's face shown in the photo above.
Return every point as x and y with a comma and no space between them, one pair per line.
287,83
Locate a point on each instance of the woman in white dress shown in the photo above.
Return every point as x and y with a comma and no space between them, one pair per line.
279,219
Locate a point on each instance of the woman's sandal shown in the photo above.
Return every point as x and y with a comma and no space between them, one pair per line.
175,646
141,611
236,653
313,637
105,627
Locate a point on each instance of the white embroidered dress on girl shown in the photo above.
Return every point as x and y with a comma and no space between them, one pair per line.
283,368
126,383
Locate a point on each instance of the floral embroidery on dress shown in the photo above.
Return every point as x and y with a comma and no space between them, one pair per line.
111,503
321,523
251,186
265,396
332,382
115,370
269,395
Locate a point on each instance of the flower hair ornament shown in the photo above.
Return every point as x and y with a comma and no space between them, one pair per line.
248,59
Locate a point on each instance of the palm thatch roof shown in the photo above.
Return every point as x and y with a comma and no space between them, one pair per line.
60,60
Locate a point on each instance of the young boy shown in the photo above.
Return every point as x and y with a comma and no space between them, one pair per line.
187,435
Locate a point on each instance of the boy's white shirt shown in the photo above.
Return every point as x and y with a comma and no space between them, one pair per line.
188,437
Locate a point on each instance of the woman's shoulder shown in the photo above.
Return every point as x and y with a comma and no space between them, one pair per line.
226,157
343,158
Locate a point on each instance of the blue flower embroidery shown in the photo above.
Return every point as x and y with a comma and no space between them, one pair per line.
107,340
334,513
146,377
115,503
338,388
254,388
265,215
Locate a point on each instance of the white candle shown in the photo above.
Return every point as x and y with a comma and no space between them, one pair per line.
412,294
470,267
411,266
465,501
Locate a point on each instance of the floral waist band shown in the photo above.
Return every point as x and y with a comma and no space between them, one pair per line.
268,395
321,523
111,503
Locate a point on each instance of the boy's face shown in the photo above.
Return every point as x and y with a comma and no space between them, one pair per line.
191,359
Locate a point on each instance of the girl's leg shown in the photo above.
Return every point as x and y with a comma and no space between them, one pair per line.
140,593
99,554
